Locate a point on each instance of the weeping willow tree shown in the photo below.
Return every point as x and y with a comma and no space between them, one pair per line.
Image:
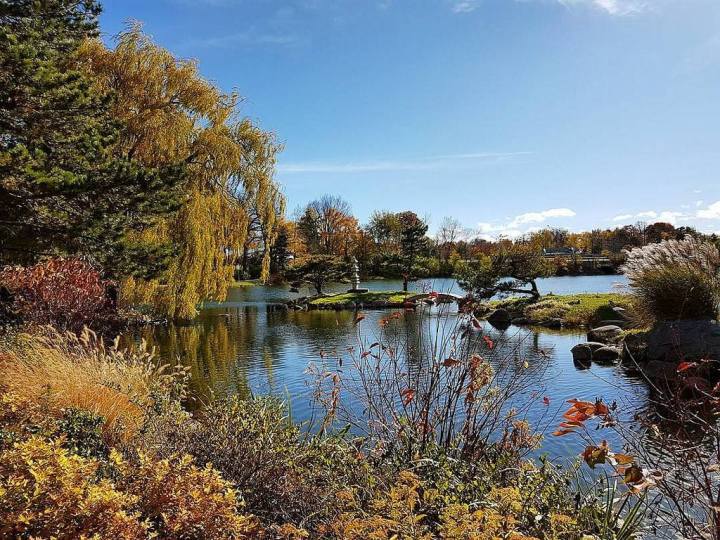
170,115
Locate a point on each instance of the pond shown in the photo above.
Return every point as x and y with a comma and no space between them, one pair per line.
240,346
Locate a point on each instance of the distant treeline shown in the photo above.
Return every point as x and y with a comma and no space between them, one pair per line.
327,227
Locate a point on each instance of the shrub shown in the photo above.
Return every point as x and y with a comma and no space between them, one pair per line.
68,293
49,492
184,501
675,279
283,475
64,371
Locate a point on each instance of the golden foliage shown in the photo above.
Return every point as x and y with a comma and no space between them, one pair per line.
50,493
171,116
185,501
393,514
66,371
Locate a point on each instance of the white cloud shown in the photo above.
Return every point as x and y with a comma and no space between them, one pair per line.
465,6
514,228
711,212
667,216
539,217
432,162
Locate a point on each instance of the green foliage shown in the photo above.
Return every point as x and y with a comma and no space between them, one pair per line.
392,297
318,271
62,187
510,271
413,242
577,309
83,432
283,475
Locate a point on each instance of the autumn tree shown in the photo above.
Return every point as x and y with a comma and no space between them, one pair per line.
170,114
328,226
449,232
63,188
385,229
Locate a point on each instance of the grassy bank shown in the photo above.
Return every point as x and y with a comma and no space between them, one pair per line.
575,310
245,283
370,297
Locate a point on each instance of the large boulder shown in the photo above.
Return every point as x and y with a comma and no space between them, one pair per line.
606,355
622,313
634,347
605,334
690,340
582,353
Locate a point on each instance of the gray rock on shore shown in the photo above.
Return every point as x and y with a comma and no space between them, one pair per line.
605,334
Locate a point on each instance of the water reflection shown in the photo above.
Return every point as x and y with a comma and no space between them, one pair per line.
241,346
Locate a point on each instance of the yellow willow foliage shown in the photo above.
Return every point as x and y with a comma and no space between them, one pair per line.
171,115
207,224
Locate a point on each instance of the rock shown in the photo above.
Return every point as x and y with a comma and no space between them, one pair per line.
691,340
634,347
606,355
520,321
552,323
620,323
605,334
582,353
657,370
595,345
500,317
621,313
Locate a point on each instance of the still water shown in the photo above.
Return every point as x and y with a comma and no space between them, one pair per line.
241,347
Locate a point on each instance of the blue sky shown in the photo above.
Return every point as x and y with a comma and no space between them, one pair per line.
506,114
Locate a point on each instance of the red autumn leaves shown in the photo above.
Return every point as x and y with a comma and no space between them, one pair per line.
579,413
635,478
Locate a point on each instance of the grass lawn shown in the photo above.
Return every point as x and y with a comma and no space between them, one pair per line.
244,283
573,309
393,297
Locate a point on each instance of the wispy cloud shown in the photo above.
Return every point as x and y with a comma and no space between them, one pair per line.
465,6
245,38
701,213
667,216
428,163
611,7
539,217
